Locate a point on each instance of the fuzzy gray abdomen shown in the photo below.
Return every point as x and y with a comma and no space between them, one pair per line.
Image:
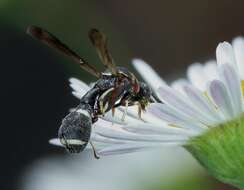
75,130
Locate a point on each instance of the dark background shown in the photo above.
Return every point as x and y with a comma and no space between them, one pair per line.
35,94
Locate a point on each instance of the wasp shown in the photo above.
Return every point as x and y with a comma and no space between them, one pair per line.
115,87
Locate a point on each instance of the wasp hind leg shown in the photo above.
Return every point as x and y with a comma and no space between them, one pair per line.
94,151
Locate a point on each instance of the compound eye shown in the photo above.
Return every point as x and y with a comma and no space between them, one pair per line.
136,88
136,84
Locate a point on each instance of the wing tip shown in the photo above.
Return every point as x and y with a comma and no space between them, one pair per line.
34,31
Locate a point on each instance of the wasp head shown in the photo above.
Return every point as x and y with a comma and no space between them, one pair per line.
74,132
143,97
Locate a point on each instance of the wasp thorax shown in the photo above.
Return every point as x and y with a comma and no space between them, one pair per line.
75,130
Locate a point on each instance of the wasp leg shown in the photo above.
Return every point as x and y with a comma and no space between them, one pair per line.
113,100
94,151
101,107
139,110
113,111
125,110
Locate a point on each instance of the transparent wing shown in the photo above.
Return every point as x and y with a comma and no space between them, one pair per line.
53,42
99,41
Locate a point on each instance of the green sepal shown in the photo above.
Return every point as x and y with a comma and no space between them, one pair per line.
221,151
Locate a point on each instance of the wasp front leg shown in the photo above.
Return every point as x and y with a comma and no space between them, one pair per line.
113,100
126,102
125,110
117,94
139,110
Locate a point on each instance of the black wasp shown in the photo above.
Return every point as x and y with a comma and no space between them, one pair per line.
115,87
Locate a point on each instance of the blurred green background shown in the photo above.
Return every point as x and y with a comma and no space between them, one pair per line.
35,94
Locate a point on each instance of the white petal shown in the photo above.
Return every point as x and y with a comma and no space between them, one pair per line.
119,134
117,118
232,82
55,141
145,116
195,74
225,54
218,93
98,138
148,74
179,84
113,119
174,117
180,103
121,149
78,95
202,103
79,87
130,148
104,123
238,46
72,109
78,84
78,92
210,70
155,129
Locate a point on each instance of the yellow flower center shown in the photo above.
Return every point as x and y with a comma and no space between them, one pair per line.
242,87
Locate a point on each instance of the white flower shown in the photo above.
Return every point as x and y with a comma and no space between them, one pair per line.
211,94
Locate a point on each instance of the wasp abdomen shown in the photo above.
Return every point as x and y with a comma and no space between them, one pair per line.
75,130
